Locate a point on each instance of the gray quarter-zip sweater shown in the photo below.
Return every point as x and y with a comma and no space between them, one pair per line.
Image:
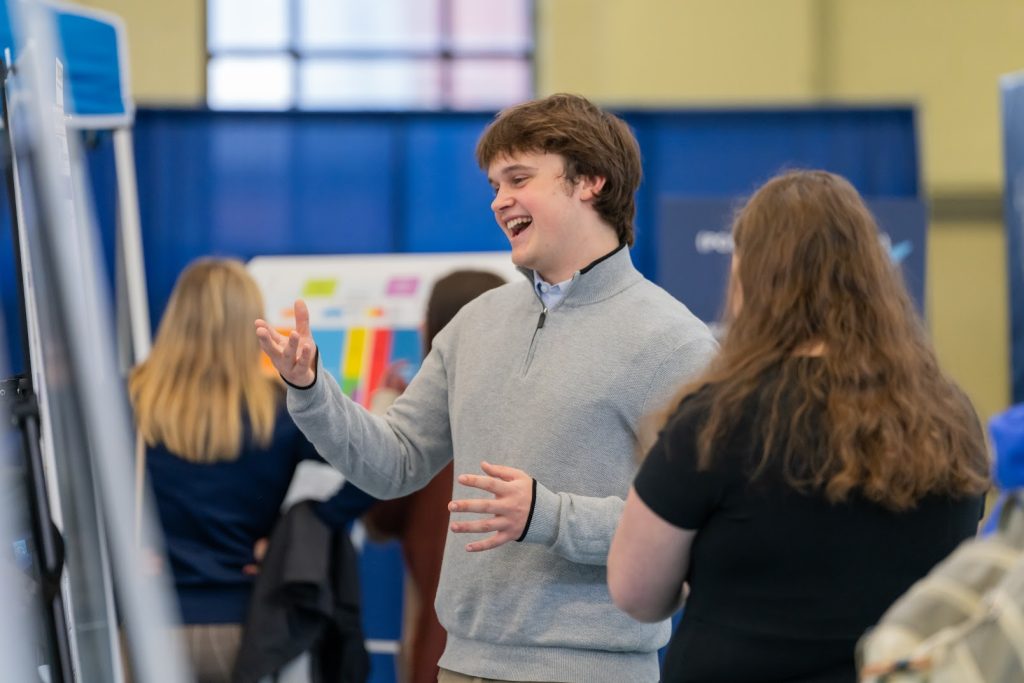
557,393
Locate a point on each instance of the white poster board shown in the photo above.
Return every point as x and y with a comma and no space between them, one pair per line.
365,310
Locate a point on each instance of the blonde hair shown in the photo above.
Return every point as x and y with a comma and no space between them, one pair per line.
203,375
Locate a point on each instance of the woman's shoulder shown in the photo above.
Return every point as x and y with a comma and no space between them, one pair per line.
682,425
738,422
697,404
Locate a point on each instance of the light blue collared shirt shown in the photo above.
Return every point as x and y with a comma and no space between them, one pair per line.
550,294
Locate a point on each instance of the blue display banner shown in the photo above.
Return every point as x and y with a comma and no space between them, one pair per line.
1012,87
695,247
95,55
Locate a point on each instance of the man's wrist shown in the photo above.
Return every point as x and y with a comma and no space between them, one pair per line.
316,367
529,517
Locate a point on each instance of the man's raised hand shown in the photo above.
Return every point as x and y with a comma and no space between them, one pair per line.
293,356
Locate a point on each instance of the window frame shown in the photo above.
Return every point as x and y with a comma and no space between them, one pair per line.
447,55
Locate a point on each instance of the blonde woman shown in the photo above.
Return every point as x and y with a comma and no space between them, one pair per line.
220,453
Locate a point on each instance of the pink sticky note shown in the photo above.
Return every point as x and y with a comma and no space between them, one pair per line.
403,285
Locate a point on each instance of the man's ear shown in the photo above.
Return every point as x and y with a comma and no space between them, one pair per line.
591,186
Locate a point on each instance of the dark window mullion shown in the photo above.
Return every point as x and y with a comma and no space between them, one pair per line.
532,7
293,51
447,41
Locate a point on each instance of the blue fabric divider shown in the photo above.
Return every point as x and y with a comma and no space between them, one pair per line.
1013,210
247,184
250,184
695,247
1006,431
728,153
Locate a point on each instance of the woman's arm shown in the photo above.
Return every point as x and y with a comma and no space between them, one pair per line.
647,562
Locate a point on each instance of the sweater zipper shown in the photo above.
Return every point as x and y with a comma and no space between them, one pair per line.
533,340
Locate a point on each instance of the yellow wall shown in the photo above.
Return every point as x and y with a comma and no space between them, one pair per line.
666,52
947,56
166,47
967,308
943,55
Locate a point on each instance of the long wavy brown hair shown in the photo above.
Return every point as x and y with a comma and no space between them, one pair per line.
202,381
812,278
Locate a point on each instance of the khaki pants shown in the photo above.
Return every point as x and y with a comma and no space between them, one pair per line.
446,676
212,648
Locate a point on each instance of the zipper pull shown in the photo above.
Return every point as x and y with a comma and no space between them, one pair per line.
543,315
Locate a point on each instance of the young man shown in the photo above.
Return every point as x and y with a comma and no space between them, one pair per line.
538,390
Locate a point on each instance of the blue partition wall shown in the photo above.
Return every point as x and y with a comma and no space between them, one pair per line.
246,184
1012,87
720,154
250,184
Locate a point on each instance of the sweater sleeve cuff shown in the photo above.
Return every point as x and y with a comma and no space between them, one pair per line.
301,399
542,526
316,373
529,517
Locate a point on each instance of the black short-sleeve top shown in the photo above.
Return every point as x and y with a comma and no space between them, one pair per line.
782,582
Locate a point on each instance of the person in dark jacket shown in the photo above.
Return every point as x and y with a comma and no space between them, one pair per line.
306,599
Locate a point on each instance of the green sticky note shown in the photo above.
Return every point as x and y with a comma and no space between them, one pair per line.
319,288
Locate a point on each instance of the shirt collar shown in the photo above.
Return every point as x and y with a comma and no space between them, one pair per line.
607,275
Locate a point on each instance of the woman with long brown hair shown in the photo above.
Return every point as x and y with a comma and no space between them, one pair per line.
820,466
220,453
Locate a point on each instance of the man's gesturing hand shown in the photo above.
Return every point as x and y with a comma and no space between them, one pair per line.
293,356
508,511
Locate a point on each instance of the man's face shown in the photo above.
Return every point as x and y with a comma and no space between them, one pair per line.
539,211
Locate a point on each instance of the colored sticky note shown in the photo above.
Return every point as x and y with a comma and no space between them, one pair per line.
403,285
319,288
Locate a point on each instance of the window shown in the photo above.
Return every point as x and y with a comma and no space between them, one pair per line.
369,54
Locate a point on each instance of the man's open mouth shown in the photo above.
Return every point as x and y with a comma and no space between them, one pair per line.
517,225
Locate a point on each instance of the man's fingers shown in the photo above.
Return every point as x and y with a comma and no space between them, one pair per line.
305,357
479,526
484,483
488,543
269,329
302,318
473,505
266,343
270,340
291,348
292,356
274,351
500,471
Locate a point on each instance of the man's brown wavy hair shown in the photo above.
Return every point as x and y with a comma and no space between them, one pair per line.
811,273
593,143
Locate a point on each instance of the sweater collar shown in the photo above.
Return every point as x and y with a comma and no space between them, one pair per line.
598,280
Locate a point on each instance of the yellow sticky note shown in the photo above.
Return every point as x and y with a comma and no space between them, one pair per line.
319,288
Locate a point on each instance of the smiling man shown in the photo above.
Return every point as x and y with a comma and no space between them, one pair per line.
538,390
